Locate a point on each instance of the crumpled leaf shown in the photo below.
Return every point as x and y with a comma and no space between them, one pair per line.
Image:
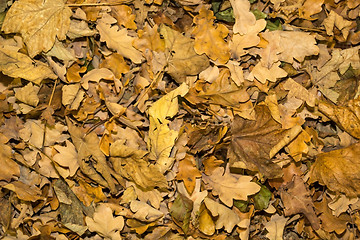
297,199
119,40
208,34
28,94
104,223
253,141
24,191
15,64
346,116
230,186
338,170
225,216
130,164
335,20
145,212
39,23
91,160
182,58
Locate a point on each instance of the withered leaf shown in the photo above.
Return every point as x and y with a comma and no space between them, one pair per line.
252,142
339,170
296,199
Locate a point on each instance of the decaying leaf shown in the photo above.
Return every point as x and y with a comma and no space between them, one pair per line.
338,170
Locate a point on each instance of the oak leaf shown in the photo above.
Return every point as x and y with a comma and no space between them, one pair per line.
28,94
338,170
119,40
182,58
275,227
230,186
25,192
309,8
104,223
225,217
263,73
335,20
39,23
244,18
297,199
9,168
67,158
208,35
145,212
124,16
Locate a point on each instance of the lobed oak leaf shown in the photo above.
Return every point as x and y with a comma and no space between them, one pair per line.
124,16
309,8
39,23
300,92
244,18
208,34
119,40
262,73
336,20
230,186
225,217
145,212
182,58
275,227
338,170
25,192
104,223
297,199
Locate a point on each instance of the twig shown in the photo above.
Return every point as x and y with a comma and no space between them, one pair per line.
97,4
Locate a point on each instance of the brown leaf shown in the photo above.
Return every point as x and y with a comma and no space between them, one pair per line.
296,199
252,142
9,168
339,170
188,173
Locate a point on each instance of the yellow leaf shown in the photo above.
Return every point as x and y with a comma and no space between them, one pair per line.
262,73
299,146
39,23
335,20
182,58
28,94
67,157
124,16
206,224
338,170
144,212
309,8
188,172
9,168
208,34
230,186
15,64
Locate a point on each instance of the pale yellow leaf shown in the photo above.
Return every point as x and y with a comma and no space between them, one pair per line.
145,212
67,157
275,227
39,22
28,94
244,19
262,73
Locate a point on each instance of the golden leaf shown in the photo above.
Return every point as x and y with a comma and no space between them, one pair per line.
338,170
188,173
9,168
39,23
208,34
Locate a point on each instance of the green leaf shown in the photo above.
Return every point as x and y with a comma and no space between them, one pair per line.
258,14
262,198
227,15
273,25
241,205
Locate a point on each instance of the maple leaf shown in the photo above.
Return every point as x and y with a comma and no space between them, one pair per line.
207,36
338,170
182,58
104,223
296,199
230,186
252,142
119,40
39,23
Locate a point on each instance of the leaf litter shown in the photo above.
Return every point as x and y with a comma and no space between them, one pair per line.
189,119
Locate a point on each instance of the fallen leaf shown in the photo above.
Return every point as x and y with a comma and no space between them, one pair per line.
144,212
67,157
244,18
262,73
39,23
230,186
208,34
182,58
28,94
180,211
275,227
297,199
9,169
188,173
124,16
337,170
335,20
104,223
25,192
225,216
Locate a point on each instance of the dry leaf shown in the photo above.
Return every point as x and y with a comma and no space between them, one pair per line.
9,169
275,227
230,186
28,94
188,173
338,170
208,34
144,212
244,18
39,23
67,158
335,20
104,223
